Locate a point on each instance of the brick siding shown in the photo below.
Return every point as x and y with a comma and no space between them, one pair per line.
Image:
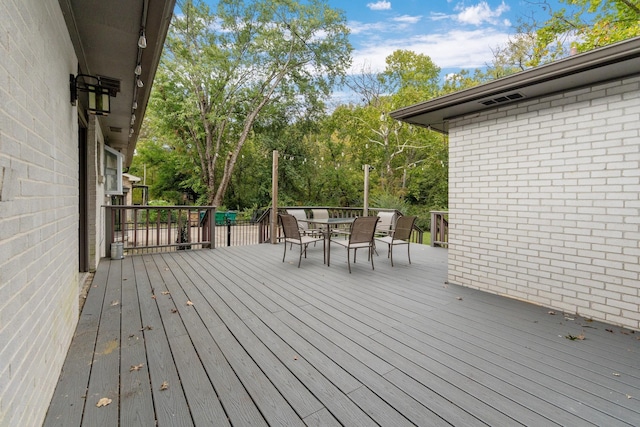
545,201
38,206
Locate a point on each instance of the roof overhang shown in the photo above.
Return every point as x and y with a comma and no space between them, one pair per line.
597,66
105,38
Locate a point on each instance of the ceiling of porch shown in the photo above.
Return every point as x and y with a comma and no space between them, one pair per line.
105,37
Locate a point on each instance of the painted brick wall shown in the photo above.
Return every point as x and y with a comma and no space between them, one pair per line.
545,201
38,206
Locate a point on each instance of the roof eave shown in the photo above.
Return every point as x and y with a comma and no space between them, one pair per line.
443,108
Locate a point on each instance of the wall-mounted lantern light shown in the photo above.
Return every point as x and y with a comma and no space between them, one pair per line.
99,88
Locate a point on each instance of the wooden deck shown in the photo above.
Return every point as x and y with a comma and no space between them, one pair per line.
234,336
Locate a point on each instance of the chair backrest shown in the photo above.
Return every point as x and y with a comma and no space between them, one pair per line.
299,214
289,226
404,226
363,229
320,213
387,220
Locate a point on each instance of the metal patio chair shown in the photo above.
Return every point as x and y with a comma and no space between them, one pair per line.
399,236
293,236
386,224
361,236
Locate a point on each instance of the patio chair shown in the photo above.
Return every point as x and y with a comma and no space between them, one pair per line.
387,221
301,217
399,236
319,214
361,236
293,236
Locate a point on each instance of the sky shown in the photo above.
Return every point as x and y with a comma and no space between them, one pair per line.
455,34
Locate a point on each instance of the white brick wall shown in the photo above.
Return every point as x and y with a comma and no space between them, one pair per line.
545,201
38,206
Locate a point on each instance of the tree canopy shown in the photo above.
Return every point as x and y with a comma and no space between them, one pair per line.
244,78
221,71
585,25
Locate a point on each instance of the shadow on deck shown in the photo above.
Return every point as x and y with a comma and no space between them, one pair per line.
234,336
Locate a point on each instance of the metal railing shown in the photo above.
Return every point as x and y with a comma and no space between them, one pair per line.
149,229
439,228
144,229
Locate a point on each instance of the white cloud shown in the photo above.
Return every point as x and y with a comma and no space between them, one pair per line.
454,49
356,27
481,13
407,19
380,5
439,16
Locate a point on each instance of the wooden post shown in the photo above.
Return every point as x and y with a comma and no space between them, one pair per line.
274,198
365,211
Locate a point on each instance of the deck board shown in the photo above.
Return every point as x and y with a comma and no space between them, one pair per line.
67,403
242,338
105,369
168,396
136,402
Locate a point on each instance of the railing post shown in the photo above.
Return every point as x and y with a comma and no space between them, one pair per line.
228,230
108,224
434,228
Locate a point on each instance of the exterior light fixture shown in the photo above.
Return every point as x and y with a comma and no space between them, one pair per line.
100,89
139,83
138,70
133,119
142,41
135,105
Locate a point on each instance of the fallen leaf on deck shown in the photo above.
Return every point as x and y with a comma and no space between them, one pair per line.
615,374
164,386
609,330
173,310
459,298
136,367
569,318
189,303
553,313
148,328
295,357
103,402
153,296
165,292
629,396
115,302
575,337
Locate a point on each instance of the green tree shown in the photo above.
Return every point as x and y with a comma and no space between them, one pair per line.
168,168
587,24
221,72
392,147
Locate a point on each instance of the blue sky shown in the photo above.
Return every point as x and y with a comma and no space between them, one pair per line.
454,34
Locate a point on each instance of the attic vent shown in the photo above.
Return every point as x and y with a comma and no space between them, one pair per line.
502,99
115,129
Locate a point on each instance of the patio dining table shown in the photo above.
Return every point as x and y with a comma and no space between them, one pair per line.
327,231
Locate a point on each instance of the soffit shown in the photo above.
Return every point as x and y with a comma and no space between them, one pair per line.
105,37
598,66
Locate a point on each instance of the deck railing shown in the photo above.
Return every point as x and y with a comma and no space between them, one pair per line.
439,228
144,229
147,229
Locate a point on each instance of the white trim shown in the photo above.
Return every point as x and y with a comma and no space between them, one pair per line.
113,177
